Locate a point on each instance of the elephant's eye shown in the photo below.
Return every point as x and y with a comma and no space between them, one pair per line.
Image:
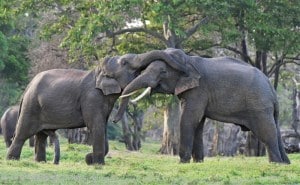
124,62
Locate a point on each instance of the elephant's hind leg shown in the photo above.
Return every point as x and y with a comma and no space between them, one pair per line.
263,126
15,149
23,132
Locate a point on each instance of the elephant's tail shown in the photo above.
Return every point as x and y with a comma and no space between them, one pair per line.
20,106
56,149
284,157
54,137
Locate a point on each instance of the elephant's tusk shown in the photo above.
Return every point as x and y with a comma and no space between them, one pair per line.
146,91
126,95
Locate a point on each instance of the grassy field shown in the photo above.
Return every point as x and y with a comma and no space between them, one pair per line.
143,167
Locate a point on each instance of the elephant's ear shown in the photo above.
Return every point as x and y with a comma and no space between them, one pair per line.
107,85
187,82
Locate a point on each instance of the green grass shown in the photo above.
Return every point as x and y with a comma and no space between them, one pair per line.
143,167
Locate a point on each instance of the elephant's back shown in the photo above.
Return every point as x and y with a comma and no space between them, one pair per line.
54,96
9,118
56,78
237,80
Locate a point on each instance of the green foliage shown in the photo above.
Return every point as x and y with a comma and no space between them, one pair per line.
114,131
4,49
10,93
143,167
16,64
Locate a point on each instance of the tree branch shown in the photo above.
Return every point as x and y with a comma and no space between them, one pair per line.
193,29
272,70
240,53
294,58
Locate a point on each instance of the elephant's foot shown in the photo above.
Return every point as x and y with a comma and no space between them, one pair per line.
12,157
40,155
40,159
198,157
185,157
279,161
184,161
197,160
90,159
14,152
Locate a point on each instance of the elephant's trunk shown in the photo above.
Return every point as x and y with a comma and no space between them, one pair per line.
143,60
123,104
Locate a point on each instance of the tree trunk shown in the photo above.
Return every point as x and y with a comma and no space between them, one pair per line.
225,141
276,74
170,143
126,132
132,130
296,109
261,61
253,146
137,117
79,135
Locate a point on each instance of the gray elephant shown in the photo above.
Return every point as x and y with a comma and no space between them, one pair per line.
223,89
70,98
8,125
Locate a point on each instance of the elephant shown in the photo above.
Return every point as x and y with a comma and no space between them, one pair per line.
8,125
223,89
72,98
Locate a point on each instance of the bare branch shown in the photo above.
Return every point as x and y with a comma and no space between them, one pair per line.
272,70
240,53
294,58
192,30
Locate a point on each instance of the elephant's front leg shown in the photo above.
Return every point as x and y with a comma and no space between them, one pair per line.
198,150
89,157
188,124
99,144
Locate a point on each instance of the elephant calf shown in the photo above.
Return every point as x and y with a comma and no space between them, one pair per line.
8,125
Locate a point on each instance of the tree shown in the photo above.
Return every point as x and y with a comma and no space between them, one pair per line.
14,63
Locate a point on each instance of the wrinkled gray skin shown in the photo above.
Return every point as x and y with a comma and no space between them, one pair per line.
222,89
8,125
69,98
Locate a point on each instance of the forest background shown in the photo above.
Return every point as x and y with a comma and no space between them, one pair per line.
40,35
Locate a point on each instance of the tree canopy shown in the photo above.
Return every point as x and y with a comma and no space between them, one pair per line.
98,28
265,34
13,45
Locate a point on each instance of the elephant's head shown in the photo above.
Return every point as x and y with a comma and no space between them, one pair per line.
117,72
114,74
170,74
